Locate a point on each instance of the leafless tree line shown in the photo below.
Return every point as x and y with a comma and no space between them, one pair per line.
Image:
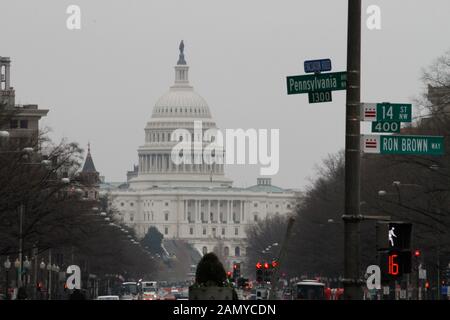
414,189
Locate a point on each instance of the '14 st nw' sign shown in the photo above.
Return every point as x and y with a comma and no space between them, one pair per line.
396,144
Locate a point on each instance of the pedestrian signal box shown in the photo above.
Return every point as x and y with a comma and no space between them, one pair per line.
394,264
393,235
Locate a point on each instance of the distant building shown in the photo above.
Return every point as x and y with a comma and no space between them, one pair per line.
192,202
133,174
21,121
440,98
440,109
90,178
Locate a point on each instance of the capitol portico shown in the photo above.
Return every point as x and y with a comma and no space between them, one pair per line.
193,202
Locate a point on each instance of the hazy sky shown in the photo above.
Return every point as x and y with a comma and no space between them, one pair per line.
101,82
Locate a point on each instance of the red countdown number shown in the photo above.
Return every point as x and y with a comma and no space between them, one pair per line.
393,266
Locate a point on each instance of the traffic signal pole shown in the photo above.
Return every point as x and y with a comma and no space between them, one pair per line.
280,259
352,279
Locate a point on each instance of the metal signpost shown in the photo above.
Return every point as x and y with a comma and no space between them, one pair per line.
316,82
411,145
386,127
314,66
317,97
386,112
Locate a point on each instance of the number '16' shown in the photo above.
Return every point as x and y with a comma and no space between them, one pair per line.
393,267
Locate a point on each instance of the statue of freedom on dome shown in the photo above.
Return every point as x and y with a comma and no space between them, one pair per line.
181,58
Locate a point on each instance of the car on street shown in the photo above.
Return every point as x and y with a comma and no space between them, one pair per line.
309,290
108,298
129,291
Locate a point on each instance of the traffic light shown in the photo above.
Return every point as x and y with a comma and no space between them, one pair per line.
393,235
274,264
229,275
394,263
259,272
394,246
447,275
267,271
236,271
242,282
39,286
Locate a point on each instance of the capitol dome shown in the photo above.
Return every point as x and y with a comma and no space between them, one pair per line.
181,102
179,108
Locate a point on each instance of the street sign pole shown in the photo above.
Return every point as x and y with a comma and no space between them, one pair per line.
352,282
400,144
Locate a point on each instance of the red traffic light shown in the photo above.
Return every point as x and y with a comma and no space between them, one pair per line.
427,285
274,264
258,265
417,253
266,265
228,274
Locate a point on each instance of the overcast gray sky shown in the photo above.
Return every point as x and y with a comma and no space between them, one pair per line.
101,82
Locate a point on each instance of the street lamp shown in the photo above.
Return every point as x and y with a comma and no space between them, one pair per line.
19,272
7,265
49,281
26,266
26,263
28,150
17,263
46,163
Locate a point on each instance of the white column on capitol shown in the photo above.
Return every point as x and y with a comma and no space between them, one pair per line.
144,163
196,214
209,212
7,76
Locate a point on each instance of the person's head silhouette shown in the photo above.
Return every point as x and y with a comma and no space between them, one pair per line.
210,271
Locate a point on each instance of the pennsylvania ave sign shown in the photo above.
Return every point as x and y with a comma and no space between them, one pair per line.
396,144
317,82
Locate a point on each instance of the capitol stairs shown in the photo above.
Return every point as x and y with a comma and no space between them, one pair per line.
178,257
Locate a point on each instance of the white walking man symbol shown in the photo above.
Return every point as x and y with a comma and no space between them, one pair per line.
391,235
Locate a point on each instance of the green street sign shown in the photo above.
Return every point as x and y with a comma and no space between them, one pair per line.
317,82
319,96
393,112
386,127
413,145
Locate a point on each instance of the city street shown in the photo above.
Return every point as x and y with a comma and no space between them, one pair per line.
210,150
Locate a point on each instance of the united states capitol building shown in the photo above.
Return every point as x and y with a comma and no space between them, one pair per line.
196,203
